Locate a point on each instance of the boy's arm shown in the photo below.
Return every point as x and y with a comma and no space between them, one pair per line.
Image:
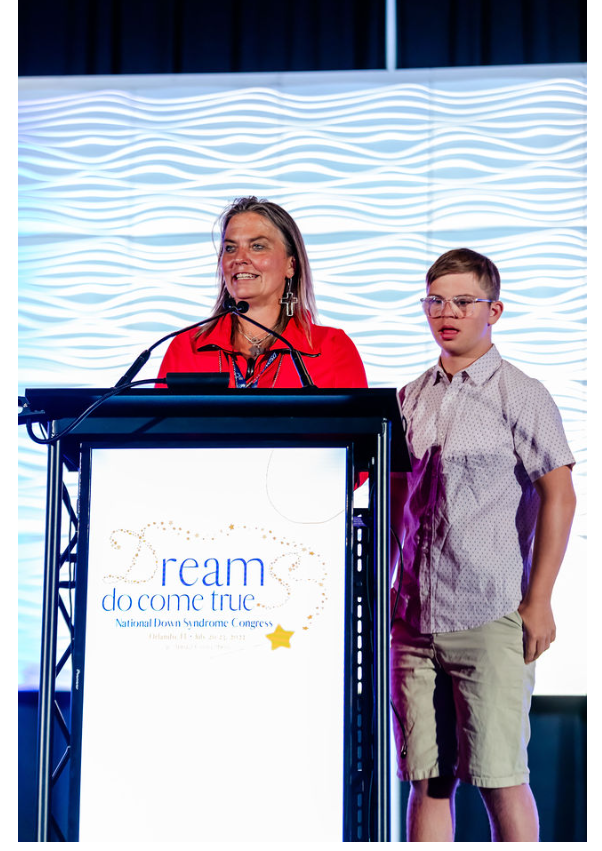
554,518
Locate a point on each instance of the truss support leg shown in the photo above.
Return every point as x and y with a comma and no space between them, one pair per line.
54,485
381,634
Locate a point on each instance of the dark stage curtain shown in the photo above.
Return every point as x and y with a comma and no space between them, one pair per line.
441,33
58,37
198,36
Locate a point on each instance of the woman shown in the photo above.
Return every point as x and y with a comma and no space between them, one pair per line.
262,261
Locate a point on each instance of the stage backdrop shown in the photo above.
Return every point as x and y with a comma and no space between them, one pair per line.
122,178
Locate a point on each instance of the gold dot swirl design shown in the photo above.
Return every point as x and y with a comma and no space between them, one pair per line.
284,575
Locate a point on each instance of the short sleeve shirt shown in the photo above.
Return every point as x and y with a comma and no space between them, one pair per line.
477,444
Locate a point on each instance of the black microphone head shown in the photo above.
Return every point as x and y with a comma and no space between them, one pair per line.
242,306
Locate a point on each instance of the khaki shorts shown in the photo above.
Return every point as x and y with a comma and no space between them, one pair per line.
463,699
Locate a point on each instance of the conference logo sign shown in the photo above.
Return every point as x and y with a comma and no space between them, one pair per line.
194,589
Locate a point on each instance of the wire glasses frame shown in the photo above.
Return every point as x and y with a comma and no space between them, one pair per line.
462,305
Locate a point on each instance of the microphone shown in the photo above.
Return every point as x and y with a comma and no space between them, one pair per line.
232,306
142,358
241,307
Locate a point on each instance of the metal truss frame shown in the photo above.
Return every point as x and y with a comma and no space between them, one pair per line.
368,791
60,558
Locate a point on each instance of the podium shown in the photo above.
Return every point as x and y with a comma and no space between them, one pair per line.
222,441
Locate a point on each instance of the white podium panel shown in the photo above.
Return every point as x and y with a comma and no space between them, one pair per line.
213,685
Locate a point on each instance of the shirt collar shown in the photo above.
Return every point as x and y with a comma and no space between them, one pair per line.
478,372
220,336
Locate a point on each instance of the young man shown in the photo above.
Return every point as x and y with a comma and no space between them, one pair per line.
483,520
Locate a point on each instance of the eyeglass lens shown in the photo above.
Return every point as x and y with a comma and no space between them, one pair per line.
460,306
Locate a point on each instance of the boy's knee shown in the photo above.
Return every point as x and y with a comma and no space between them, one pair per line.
435,787
502,797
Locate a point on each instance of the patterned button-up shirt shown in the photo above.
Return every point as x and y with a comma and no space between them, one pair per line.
477,443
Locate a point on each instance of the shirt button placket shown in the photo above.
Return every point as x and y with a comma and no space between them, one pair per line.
447,411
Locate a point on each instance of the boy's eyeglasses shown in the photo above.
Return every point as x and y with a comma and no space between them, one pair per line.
461,305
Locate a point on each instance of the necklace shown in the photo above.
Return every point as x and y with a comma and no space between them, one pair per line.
242,383
256,348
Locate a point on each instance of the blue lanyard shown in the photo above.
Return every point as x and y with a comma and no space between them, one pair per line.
241,384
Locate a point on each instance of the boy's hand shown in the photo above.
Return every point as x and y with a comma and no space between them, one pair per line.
539,629
554,518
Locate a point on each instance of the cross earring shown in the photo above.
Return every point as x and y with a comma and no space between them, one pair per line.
289,298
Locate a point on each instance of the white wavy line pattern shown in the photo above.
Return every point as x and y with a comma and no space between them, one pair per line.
119,192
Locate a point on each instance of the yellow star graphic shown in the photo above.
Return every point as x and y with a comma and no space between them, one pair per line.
280,637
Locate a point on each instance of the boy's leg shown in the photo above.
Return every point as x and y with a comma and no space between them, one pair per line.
512,813
492,692
425,733
431,815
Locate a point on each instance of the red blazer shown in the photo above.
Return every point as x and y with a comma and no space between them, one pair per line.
332,360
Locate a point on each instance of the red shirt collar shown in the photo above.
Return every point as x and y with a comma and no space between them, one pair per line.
220,337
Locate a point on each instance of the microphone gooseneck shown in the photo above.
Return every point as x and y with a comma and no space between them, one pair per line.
142,358
126,381
241,307
231,307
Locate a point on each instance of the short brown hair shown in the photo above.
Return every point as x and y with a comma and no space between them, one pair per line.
460,260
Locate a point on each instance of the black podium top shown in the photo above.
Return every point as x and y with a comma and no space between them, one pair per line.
226,416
